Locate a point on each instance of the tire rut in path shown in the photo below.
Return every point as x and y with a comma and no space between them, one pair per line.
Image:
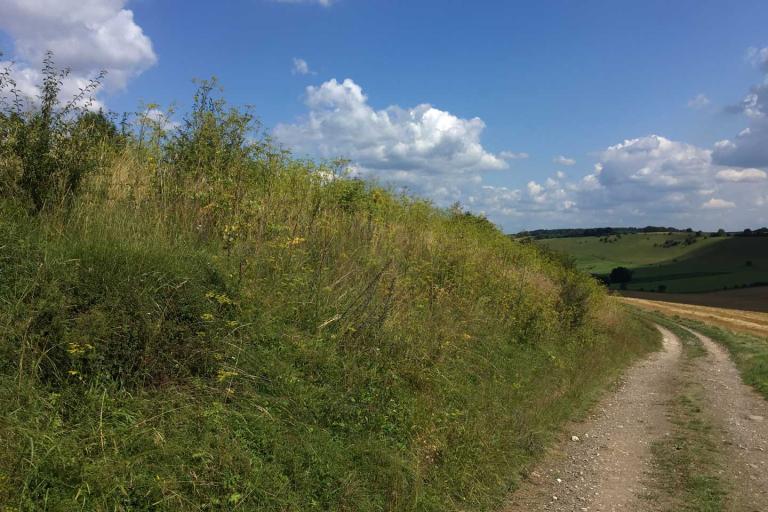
742,416
606,468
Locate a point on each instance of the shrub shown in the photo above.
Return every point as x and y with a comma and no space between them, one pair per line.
47,150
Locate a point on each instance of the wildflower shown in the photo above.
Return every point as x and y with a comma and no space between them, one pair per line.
76,349
73,372
295,241
230,233
225,374
208,317
223,299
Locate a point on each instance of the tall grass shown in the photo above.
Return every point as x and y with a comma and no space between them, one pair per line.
205,322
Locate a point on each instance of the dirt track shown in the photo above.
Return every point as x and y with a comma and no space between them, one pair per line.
605,469
609,467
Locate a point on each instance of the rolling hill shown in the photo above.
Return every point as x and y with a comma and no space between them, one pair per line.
673,262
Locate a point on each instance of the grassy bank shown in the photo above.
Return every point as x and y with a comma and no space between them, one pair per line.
191,319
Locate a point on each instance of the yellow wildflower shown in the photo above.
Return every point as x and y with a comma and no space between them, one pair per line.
225,374
295,241
223,299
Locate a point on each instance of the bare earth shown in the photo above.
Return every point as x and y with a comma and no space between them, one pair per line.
744,299
605,469
608,468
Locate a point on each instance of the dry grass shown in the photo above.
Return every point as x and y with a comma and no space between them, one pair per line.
741,321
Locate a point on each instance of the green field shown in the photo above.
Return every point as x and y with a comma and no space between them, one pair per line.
708,264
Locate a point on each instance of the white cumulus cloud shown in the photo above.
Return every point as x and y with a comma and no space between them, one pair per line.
426,149
160,119
562,160
758,57
718,204
85,35
698,102
750,147
654,162
640,181
511,155
742,175
300,67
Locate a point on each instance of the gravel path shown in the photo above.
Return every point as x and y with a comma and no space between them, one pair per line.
603,462
742,416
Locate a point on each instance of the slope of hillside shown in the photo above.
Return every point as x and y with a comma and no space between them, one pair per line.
598,255
197,321
674,262
733,262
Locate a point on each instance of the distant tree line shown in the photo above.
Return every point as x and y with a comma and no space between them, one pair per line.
609,231
753,232
602,232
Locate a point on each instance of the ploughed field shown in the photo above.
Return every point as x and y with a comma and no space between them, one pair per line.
744,299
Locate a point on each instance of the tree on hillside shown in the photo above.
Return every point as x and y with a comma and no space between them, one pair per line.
620,275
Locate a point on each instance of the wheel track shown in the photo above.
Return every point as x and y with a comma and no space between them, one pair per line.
605,470
741,415
609,467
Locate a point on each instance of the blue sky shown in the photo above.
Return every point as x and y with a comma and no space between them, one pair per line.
644,101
